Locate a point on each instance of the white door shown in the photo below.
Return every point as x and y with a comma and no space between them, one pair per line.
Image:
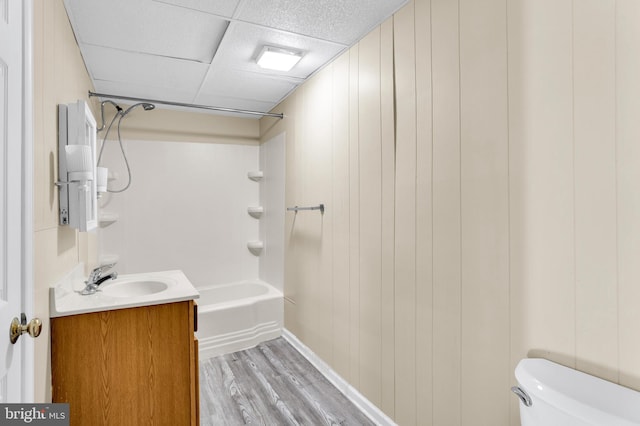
12,204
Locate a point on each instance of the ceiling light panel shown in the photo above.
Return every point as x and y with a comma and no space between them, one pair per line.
147,26
273,58
139,68
339,21
243,42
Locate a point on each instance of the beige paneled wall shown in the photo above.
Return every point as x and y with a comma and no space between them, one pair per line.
405,220
479,164
594,156
59,77
484,218
541,184
628,197
387,236
445,207
370,215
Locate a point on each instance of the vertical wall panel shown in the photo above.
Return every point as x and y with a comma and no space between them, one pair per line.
370,215
340,211
446,213
424,217
294,187
405,241
595,187
354,216
387,154
628,195
313,228
291,274
541,181
484,213
516,39
298,291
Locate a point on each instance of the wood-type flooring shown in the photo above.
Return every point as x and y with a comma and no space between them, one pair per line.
271,384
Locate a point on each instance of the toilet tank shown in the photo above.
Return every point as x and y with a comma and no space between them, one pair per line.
561,396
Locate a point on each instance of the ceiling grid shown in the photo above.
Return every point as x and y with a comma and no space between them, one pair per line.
204,51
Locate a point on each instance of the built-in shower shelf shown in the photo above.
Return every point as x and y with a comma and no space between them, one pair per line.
255,211
255,247
106,218
255,175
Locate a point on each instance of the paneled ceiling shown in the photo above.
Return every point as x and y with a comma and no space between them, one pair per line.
204,51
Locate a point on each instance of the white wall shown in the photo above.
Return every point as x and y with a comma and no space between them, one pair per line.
272,163
186,209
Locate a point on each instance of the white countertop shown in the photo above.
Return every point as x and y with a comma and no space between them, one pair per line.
65,298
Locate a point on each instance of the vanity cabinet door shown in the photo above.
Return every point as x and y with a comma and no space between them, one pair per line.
127,367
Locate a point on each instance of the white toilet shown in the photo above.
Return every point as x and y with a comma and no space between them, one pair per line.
553,395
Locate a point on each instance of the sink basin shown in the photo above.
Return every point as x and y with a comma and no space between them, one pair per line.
126,291
134,288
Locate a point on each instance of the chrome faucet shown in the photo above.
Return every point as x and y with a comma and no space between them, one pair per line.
96,278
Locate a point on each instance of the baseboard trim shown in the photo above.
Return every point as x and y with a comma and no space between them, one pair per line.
370,410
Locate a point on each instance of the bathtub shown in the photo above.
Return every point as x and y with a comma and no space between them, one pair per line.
237,316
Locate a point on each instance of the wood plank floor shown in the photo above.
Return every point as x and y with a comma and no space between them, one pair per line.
271,384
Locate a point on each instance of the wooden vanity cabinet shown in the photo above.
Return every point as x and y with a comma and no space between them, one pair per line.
136,366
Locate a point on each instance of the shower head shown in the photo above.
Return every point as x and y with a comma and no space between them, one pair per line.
146,106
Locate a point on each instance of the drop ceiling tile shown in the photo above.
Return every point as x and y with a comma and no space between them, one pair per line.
234,102
147,26
224,8
161,49
144,92
234,83
148,70
340,21
243,42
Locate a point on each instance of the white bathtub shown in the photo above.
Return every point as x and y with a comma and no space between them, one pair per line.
237,316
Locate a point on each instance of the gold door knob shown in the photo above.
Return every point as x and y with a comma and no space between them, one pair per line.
18,328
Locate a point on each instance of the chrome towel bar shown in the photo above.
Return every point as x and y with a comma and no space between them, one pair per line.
297,209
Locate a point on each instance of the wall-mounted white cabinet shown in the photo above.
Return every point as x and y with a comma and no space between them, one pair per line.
77,166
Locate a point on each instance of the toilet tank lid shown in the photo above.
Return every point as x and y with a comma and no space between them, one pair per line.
579,394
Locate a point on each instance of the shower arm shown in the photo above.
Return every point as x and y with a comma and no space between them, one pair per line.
186,105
